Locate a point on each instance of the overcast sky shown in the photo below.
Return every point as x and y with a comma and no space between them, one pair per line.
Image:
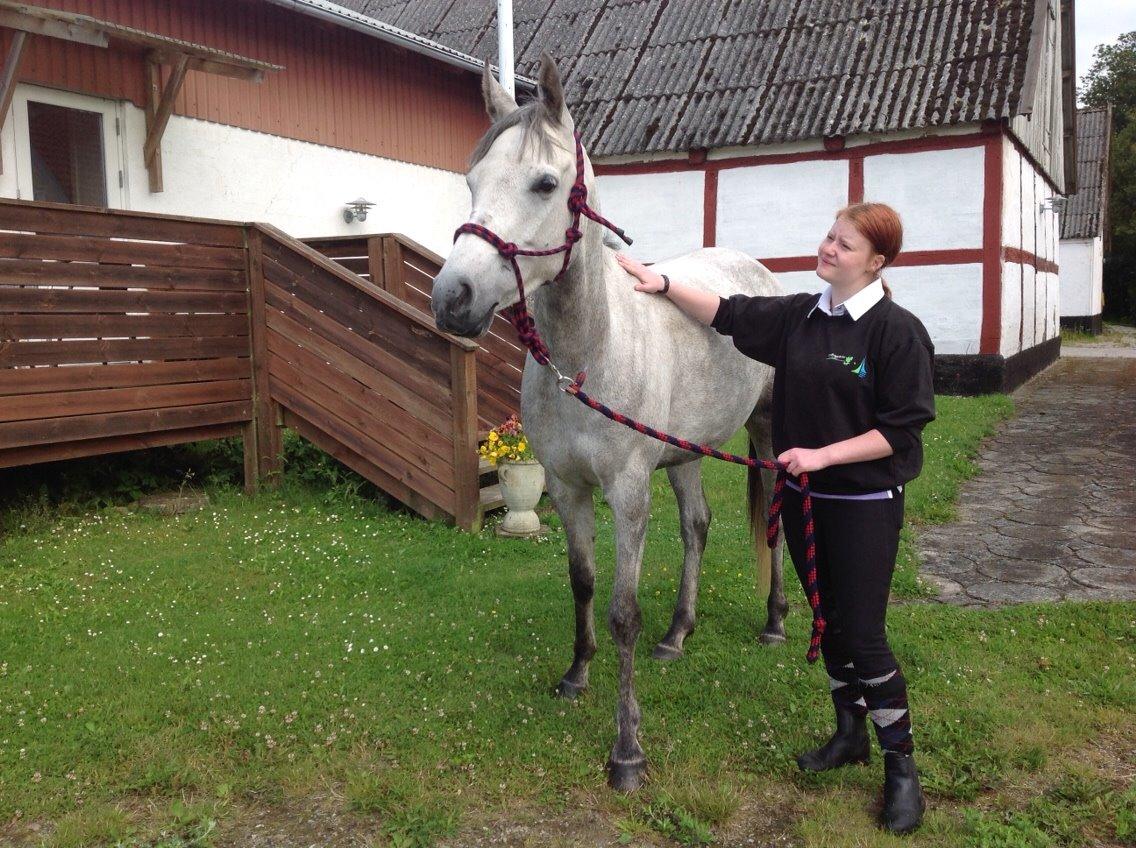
1100,22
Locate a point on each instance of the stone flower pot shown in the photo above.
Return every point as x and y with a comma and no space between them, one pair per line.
521,485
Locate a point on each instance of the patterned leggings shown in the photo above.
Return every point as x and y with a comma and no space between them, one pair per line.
856,546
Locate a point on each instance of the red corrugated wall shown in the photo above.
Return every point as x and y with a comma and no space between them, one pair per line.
339,88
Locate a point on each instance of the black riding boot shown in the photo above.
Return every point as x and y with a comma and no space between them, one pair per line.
903,797
850,744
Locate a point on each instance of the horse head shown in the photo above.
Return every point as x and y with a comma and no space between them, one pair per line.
521,174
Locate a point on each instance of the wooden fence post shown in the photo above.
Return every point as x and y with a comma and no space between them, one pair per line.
463,387
393,274
263,463
375,261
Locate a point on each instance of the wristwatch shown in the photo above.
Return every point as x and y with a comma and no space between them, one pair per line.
666,284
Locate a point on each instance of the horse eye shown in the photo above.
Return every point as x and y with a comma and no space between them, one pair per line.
545,184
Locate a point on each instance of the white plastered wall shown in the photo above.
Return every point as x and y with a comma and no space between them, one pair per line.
780,210
217,171
1081,284
938,194
661,212
940,296
1031,299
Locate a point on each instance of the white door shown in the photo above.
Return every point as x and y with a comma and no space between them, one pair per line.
68,148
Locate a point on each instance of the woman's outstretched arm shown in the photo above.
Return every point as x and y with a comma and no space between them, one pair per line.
698,304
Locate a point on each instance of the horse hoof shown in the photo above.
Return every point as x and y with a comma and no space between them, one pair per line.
627,776
666,652
769,638
570,691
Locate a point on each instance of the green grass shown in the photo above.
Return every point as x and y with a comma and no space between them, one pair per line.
161,679
1107,337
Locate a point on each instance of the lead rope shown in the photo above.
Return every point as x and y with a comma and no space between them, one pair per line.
518,315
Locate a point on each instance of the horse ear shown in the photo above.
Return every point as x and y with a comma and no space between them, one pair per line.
551,92
498,102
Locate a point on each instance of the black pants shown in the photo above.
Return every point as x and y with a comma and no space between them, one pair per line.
856,546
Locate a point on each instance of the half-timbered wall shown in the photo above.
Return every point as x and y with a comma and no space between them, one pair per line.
979,264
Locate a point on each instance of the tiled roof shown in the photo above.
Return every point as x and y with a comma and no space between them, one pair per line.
1085,211
674,75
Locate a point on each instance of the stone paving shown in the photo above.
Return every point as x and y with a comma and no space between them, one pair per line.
1052,515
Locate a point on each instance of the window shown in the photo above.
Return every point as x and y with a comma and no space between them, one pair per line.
67,156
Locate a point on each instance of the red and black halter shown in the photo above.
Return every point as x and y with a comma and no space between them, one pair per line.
522,321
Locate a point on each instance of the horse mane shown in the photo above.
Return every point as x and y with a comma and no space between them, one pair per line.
532,117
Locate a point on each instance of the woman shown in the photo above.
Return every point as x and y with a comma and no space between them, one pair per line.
852,392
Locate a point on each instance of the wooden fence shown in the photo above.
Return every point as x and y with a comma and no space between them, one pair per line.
406,269
119,331
123,330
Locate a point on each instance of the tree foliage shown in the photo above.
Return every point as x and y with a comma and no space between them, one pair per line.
1112,79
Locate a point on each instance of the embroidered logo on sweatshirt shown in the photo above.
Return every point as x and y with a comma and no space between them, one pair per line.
860,370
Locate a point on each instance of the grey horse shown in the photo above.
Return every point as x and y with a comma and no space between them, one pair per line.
643,357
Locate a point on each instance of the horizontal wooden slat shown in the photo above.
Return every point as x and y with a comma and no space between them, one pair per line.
71,220
367,318
36,271
53,326
14,381
23,246
58,404
369,470
495,384
339,249
503,351
277,243
120,350
27,299
356,265
422,406
420,279
409,431
115,444
416,299
366,447
426,385
491,411
361,408
21,433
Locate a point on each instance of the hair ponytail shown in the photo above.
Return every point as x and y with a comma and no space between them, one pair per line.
881,226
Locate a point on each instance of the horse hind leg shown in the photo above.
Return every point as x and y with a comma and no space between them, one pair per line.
577,512
694,517
760,486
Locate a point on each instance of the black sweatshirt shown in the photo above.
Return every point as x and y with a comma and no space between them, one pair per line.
837,378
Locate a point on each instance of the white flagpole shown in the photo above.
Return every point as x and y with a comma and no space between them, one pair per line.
505,44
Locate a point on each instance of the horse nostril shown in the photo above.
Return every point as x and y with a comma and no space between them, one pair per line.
465,293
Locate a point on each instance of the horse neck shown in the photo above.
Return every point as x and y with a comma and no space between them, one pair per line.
572,314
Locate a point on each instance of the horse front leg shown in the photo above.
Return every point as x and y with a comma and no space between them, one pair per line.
630,499
577,512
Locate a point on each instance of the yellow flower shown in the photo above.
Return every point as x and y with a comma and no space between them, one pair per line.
492,435
521,446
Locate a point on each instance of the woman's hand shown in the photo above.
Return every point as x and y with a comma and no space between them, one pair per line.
803,460
649,281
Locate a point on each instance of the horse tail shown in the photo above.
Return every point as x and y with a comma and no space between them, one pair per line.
756,508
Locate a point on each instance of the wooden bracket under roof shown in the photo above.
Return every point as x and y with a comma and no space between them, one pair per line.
180,56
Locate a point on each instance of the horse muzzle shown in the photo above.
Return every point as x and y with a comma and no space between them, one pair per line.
455,309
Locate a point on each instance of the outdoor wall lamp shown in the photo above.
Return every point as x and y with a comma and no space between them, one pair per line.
356,210
1053,204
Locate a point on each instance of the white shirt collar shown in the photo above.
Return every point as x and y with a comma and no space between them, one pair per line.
856,305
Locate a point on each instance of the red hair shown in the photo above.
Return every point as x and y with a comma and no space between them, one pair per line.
880,225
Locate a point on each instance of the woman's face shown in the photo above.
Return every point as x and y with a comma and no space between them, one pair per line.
845,257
